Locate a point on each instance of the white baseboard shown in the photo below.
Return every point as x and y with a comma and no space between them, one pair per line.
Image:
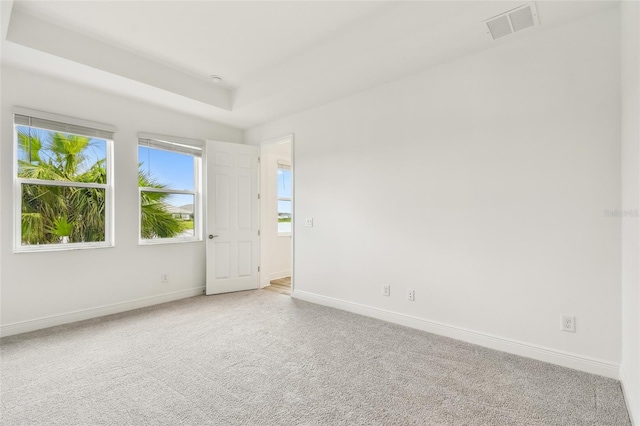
274,276
528,350
627,398
45,322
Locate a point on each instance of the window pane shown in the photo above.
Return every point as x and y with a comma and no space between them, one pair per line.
284,183
62,214
284,227
49,155
166,215
165,169
284,216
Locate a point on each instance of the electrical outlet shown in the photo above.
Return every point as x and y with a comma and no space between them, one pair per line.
164,278
308,222
386,290
411,295
568,323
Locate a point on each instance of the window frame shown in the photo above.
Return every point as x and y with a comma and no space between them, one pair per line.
18,183
197,188
283,166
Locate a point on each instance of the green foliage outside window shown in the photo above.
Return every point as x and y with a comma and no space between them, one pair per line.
73,212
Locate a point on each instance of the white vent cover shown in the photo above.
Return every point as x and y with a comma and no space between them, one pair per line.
512,21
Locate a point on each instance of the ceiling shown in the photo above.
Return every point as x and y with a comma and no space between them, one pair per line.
275,57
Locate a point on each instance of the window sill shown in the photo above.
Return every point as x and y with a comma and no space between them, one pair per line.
160,241
60,247
284,234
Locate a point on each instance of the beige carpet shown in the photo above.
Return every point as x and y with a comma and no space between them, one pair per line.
259,358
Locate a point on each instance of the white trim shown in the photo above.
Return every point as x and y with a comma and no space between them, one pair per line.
293,211
281,139
174,240
84,314
198,209
110,199
67,183
198,199
626,399
109,228
64,119
565,359
165,190
40,248
288,138
198,143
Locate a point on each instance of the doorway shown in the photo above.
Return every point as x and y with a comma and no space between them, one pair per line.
276,215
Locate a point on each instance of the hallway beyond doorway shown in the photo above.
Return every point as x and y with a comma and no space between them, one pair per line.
281,285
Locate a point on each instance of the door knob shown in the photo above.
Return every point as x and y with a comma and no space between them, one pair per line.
211,237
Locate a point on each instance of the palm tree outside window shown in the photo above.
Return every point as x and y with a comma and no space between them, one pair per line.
169,181
63,183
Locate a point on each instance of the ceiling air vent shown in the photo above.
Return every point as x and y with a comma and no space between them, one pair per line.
512,21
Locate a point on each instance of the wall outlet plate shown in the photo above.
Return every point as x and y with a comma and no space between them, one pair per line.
568,323
386,290
308,222
164,278
411,295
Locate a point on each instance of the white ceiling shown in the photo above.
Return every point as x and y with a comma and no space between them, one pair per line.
276,57
231,39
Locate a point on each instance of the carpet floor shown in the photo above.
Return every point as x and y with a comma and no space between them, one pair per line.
261,358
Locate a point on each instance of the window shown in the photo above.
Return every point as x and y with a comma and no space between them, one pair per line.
284,200
169,181
63,183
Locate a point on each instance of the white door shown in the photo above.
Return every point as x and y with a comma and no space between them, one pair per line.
232,217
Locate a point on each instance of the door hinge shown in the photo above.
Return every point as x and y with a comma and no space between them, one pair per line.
258,196
258,159
258,232
258,269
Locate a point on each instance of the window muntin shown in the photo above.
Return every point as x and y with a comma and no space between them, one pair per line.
284,200
169,184
63,185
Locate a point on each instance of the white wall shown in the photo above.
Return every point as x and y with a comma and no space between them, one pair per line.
42,285
275,250
630,367
481,184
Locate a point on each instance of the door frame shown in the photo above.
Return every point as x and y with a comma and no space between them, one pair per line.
263,200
